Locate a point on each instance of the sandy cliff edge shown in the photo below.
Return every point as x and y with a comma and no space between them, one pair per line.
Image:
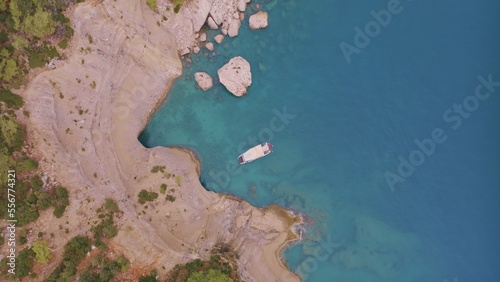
85,118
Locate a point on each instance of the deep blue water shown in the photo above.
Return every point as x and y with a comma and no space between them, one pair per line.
347,124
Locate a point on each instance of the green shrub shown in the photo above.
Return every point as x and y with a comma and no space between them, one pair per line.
74,251
24,264
145,196
149,278
163,188
61,201
152,4
22,239
158,168
10,99
42,252
213,275
63,44
27,164
111,205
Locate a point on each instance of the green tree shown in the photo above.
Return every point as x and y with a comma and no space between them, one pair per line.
40,24
25,260
213,275
3,5
42,251
15,13
19,42
10,70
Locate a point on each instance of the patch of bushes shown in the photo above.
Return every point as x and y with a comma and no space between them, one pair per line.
151,277
10,99
101,269
152,4
145,196
74,251
42,252
106,227
158,168
217,268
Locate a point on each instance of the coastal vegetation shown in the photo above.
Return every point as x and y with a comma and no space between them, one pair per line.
102,269
221,267
32,29
153,4
106,227
74,252
145,196
42,252
32,196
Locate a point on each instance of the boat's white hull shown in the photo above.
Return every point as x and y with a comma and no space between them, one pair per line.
255,153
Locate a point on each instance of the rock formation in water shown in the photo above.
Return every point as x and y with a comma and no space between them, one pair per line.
204,80
258,20
236,76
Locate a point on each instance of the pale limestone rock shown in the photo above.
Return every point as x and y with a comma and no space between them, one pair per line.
209,46
258,20
224,28
222,10
242,5
203,37
236,76
196,49
204,80
211,23
234,27
185,51
219,38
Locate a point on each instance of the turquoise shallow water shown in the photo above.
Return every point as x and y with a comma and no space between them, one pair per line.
339,129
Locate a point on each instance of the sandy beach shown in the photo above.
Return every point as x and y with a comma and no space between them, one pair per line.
85,116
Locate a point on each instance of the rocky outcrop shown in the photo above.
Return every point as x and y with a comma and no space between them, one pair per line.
236,76
132,63
204,80
258,20
185,25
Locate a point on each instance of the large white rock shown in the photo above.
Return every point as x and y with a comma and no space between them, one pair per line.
236,76
258,20
204,80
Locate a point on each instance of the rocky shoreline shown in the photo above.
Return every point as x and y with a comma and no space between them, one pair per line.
87,139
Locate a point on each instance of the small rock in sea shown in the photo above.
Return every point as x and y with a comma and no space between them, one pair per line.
209,46
203,37
219,38
236,76
204,80
196,50
258,20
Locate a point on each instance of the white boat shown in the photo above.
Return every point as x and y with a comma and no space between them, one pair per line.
256,152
